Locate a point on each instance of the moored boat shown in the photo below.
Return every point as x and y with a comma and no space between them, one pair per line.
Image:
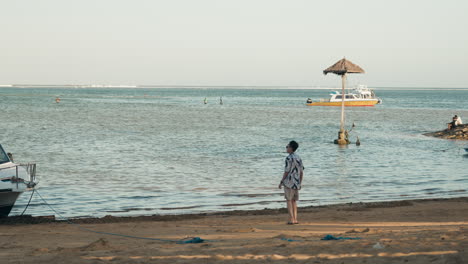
14,180
359,96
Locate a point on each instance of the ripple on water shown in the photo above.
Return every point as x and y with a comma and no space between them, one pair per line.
157,151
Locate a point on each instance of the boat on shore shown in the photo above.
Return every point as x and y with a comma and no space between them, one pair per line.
358,96
14,180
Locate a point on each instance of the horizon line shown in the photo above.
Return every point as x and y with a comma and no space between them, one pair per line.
204,86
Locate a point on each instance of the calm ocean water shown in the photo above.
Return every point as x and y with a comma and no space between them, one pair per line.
162,151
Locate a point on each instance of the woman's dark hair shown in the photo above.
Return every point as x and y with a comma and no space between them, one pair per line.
294,145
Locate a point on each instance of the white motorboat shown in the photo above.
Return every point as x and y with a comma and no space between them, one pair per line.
14,180
359,96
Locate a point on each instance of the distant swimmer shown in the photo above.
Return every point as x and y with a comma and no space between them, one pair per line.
57,100
220,100
205,101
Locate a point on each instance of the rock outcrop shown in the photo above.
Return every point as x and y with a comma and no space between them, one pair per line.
459,132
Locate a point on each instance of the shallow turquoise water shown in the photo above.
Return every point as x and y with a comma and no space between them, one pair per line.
162,151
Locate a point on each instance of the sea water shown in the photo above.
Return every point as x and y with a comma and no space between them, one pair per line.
144,151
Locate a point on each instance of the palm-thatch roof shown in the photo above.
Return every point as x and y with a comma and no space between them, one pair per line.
342,67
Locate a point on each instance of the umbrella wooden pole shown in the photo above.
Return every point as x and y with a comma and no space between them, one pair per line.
342,139
343,84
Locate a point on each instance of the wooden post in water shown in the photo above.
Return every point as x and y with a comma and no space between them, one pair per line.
343,84
342,138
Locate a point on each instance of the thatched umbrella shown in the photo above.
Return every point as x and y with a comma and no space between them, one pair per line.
342,67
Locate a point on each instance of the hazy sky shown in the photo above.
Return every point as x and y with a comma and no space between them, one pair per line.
238,42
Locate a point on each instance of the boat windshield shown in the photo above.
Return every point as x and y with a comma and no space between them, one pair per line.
3,156
347,96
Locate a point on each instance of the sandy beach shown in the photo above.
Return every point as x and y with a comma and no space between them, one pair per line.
418,231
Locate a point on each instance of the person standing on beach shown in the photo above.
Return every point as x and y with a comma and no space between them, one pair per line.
292,179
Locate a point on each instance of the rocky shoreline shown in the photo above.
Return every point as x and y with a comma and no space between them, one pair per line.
459,132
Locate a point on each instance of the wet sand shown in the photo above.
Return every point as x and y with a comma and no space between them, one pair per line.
418,231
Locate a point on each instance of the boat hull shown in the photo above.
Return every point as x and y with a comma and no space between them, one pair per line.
7,201
14,180
347,103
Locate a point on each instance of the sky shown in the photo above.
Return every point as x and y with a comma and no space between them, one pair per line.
398,43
